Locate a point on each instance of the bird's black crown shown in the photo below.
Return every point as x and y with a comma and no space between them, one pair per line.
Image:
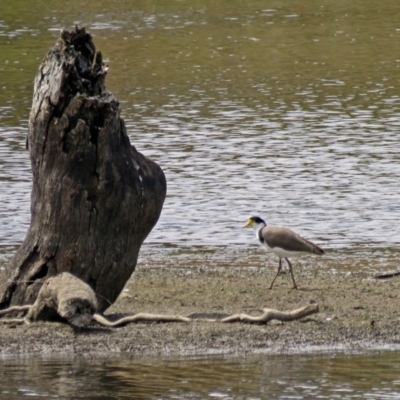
258,220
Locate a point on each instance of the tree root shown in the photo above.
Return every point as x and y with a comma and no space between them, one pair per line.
68,298
15,309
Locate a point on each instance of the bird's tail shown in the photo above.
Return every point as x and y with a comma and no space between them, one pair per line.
317,250
313,248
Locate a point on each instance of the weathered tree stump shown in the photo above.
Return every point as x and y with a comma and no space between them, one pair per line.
95,198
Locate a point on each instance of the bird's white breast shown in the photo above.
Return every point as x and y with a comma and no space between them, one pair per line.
282,253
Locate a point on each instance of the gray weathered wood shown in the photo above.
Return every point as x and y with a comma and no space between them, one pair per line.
67,297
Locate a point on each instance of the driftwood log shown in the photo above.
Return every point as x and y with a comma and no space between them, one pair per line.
95,198
65,297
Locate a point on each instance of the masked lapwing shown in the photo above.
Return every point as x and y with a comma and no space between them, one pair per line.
283,242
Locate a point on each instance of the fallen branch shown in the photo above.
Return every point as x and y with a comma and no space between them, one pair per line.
270,314
61,297
64,296
138,318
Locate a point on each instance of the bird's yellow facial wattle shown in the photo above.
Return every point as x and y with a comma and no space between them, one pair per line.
248,224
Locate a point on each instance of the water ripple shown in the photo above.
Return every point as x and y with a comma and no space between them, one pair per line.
373,375
330,176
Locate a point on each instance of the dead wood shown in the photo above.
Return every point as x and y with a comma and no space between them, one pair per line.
94,198
67,297
62,297
270,314
140,317
15,309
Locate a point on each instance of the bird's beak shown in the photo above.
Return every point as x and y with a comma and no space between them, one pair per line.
248,224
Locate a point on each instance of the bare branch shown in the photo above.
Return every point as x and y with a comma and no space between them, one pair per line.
270,314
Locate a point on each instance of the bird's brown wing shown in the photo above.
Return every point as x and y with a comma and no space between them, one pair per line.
285,238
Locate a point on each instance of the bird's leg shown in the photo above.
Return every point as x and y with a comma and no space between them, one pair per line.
279,270
291,271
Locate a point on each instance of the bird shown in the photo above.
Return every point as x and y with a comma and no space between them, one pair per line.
283,242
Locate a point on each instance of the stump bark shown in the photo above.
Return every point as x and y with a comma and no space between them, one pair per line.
95,198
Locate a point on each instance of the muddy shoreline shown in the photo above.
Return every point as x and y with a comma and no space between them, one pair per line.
357,312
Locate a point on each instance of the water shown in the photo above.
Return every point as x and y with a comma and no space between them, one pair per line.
324,376
287,110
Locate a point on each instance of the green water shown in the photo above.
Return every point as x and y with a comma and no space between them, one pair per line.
374,375
286,110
